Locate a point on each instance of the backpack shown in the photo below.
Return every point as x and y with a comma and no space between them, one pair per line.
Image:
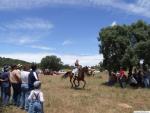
37,106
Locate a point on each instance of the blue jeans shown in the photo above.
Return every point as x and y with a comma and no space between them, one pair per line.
5,92
24,96
146,82
16,93
35,107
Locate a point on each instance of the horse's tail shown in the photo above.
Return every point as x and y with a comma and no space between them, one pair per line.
65,75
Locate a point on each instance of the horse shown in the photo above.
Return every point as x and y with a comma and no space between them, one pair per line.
92,72
80,77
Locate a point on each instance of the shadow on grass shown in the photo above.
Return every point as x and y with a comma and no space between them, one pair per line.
78,88
1,107
117,85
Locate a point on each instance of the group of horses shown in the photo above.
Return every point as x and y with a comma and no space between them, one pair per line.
75,80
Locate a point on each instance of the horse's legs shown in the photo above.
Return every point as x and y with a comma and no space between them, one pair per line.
84,83
74,81
71,81
78,83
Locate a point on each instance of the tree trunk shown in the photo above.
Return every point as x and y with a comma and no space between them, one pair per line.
109,72
130,70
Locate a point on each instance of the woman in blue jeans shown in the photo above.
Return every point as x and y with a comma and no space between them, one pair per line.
24,88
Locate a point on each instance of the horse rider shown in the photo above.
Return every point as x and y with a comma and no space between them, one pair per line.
76,70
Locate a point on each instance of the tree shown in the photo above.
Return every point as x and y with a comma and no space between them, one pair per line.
52,63
66,66
113,42
142,51
129,59
123,45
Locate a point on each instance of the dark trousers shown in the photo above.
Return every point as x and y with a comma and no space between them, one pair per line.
122,82
16,93
5,90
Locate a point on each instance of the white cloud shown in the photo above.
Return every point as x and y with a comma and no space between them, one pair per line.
19,40
140,7
27,24
67,42
88,60
114,23
26,32
41,47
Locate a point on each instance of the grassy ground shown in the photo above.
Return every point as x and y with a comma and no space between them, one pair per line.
95,98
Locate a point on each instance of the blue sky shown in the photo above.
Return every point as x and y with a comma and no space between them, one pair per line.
32,29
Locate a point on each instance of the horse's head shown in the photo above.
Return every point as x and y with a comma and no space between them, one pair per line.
67,74
86,70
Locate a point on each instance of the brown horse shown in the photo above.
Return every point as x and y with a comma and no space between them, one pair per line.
80,77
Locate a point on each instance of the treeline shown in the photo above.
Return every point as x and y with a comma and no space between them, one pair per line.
125,46
49,62
10,61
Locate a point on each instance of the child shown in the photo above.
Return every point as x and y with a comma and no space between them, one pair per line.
36,99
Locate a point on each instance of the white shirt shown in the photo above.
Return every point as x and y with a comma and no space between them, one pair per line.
36,92
35,75
24,77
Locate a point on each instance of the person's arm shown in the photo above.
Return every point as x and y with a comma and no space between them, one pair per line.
42,107
30,96
1,80
42,101
35,75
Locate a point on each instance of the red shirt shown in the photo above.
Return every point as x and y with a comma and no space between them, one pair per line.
122,73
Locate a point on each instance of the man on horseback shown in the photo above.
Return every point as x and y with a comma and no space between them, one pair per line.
76,70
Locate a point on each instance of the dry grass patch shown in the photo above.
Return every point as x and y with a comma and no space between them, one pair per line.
95,98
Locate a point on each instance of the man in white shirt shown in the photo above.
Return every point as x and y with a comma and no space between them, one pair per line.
24,87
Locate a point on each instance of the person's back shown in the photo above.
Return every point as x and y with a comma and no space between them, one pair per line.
31,79
36,99
15,77
24,76
24,87
16,84
33,76
36,95
5,77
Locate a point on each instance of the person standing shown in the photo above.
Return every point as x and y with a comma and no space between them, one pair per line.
24,87
36,99
5,85
16,85
122,78
33,76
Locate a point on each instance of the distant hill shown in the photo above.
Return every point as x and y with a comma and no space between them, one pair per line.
11,61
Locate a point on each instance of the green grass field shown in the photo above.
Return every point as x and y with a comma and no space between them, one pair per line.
95,98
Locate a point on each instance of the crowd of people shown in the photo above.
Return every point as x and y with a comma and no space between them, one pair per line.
138,78
25,83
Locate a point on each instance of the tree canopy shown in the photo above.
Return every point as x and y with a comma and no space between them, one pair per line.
52,63
125,45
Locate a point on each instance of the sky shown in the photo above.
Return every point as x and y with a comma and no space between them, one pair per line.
33,29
